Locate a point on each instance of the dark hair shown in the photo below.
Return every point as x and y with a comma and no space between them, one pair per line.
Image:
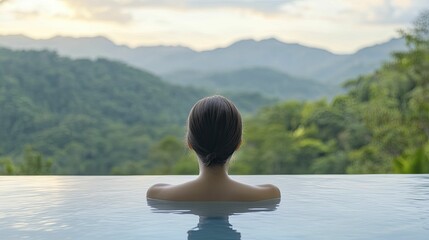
214,129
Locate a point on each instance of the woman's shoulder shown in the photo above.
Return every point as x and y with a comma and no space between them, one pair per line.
256,192
179,192
270,190
156,191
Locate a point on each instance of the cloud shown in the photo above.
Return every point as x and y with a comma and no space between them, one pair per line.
111,11
26,14
368,12
365,11
385,11
258,5
108,14
398,11
3,1
120,10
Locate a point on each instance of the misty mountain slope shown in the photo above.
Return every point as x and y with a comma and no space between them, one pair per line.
96,47
290,58
363,61
265,81
84,47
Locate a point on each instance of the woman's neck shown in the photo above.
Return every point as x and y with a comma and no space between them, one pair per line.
213,171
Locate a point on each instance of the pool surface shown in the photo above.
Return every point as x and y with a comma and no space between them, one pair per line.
312,207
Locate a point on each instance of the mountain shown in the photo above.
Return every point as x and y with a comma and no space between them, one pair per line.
265,81
293,59
290,58
90,115
95,47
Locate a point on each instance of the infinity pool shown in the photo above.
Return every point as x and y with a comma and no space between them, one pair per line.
312,207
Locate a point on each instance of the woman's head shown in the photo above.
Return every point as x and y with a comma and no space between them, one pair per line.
214,130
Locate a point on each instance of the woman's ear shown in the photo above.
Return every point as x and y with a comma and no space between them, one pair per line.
190,146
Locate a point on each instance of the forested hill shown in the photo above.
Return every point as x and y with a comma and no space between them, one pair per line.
46,83
88,115
380,126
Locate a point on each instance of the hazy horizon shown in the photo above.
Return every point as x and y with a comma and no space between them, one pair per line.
341,27
193,49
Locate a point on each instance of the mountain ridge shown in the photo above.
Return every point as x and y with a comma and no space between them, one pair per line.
291,58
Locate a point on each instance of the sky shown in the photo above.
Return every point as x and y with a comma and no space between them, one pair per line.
341,26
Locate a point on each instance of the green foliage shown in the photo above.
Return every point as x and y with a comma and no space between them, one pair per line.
380,126
187,164
413,161
168,156
31,163
34,163
336,163
164,154
7,167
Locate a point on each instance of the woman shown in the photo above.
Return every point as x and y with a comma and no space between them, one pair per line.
214,133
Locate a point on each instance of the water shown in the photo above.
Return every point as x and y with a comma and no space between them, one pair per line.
312,207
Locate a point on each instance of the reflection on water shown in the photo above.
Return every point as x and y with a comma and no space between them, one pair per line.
213,216
213,228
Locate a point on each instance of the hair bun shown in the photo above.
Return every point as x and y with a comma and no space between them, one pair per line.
211,157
